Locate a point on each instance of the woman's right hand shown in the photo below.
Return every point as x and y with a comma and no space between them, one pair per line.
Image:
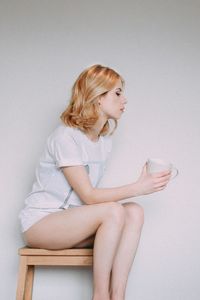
151,183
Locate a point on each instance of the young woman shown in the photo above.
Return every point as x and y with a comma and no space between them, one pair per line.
66,208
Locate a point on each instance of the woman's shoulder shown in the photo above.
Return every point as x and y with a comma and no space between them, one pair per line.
62,131
61,137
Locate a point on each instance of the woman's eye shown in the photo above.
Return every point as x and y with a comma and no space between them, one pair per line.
118,94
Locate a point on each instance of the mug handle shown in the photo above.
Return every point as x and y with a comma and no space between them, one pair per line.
175,172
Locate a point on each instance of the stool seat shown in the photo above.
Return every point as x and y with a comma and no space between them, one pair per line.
31,257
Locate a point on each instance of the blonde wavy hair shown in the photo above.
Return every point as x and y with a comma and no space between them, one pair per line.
83,109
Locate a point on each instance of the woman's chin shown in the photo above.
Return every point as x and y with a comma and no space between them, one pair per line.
115,118
118,116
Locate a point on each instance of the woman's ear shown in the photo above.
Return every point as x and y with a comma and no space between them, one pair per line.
99,100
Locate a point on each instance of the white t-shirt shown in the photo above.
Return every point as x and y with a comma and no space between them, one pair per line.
66,146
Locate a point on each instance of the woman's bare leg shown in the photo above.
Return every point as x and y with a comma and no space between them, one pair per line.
74,226
126,250
105,246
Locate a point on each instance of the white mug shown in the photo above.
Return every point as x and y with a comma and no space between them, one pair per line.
155,165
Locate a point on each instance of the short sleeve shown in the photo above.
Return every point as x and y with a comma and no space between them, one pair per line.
64,149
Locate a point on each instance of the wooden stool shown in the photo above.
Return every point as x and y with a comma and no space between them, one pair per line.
31,257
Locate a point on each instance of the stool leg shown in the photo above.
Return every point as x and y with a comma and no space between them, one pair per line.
22,278
29,283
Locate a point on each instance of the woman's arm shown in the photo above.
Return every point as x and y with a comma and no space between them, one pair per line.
146,184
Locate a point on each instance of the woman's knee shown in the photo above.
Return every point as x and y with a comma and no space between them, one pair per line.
115,212
134,214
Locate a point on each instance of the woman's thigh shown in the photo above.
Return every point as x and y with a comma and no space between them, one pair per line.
69,228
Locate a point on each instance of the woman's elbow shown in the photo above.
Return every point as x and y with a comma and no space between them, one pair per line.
88,197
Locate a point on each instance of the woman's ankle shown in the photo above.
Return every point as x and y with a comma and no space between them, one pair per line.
116,295
101,296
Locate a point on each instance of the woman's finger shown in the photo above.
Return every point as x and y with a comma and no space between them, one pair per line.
162,174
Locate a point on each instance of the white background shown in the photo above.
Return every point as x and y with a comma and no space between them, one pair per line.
155,46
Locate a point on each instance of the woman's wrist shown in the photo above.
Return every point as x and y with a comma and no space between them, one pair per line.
136,190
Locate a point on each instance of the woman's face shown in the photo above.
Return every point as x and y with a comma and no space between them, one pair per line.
112,104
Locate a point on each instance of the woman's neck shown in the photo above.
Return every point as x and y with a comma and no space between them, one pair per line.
94,132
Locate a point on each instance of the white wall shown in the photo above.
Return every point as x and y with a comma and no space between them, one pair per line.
155,46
